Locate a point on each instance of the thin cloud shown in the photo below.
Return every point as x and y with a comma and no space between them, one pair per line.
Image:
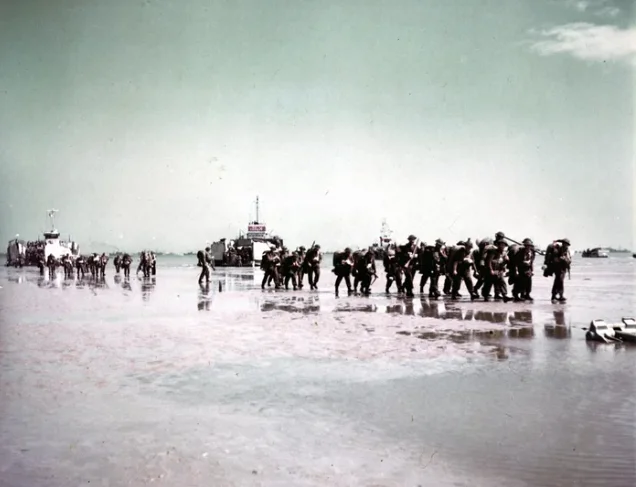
589,42
601,8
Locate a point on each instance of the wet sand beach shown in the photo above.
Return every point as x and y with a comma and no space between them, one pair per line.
140,381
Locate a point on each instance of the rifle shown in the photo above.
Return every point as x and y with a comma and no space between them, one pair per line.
411,258
540,252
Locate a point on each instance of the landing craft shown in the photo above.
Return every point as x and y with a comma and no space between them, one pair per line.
31,253
386,239
247,248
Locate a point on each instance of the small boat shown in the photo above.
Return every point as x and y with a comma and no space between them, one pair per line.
626,331
600,331
597,252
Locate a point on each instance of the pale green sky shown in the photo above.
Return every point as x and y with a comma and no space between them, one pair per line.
162,120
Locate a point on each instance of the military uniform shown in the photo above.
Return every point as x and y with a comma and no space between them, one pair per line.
302,268
313,260
290,270
342,267
525,271
462,265
392,270
367,271
558,261
407,259
439,264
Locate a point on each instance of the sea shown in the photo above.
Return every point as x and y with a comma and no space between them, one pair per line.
140,381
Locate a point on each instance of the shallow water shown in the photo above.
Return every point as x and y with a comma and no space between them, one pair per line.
159,380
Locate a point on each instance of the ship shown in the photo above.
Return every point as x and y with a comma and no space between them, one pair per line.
597,252
35,253
248,247
386,239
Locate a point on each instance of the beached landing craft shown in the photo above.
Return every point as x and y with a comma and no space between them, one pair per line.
16,252
386,239
32,253
248,248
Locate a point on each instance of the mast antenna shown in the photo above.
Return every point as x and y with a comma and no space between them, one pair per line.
257,220
52,213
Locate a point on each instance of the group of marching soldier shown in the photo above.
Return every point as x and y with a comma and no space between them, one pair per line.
493,263
96,264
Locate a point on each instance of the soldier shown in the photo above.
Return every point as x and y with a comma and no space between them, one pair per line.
80,266
392,270
51,263
524,266
271,264
302,268
407,259
67,263
439,263
424,264
496,263
461,268
204,258
513,271
342,267
558,260
313,260
117,262
126,262
358,268
101,265
448,269
367,271
290,267
479,259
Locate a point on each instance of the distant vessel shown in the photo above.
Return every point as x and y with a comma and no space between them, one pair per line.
597,252
247,248
386,239
33,253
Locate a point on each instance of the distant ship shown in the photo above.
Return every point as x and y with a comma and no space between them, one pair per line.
386,239
32,253
247,248
597,252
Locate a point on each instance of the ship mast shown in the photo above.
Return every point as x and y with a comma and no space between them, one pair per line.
51,213
257,220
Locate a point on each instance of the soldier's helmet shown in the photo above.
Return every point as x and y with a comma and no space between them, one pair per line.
301,248
439,242
461,242
207,249
500,235
565,241
527,241
317,246
347,250
412,238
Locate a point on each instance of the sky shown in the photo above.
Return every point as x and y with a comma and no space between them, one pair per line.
156,123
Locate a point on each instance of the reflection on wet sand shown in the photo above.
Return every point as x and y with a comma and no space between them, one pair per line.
147,287
205,297
293,304
558,332
350,308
